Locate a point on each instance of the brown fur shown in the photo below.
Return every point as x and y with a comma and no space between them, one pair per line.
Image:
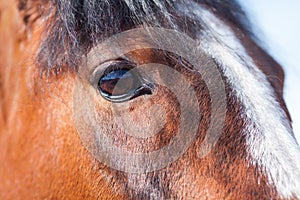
41,154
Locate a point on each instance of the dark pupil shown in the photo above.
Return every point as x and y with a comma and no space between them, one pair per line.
117,82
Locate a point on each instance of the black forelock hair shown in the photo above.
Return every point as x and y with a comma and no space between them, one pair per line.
74,26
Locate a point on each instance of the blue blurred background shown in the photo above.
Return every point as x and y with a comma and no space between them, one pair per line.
277,24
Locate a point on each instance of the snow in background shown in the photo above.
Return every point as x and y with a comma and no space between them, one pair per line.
277,23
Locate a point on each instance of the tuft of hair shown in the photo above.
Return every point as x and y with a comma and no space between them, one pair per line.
75,26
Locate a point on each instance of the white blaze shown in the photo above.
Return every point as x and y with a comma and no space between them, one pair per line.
269,136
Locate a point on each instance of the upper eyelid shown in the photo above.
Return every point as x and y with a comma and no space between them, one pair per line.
95,65
123,64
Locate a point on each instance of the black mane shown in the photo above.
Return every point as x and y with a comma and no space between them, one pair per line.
74,26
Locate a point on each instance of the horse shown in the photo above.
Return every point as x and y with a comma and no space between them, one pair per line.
146,99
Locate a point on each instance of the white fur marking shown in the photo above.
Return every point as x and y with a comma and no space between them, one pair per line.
268,132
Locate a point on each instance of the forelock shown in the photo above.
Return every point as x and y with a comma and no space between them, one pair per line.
74,26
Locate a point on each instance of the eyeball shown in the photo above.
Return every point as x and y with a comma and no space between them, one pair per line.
121,82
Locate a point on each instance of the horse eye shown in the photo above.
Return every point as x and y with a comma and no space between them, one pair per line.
121,82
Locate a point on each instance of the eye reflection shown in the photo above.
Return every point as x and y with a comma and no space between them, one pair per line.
121,82
118,82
